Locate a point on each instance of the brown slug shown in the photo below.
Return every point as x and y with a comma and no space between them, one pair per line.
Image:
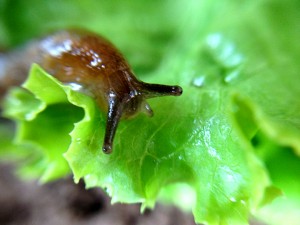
93,65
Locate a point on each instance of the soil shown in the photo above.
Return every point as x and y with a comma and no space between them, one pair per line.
64,203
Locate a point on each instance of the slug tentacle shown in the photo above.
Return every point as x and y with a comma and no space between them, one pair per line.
114,114
159,90
147,109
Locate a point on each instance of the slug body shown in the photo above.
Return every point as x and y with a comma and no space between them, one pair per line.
90,64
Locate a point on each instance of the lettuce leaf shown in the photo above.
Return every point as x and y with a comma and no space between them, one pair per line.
233,137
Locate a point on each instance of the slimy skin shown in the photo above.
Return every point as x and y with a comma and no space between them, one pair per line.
92,64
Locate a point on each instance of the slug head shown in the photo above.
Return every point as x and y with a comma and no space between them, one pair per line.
127,104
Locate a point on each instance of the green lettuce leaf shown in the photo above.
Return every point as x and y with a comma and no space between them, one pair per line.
223,177
232,139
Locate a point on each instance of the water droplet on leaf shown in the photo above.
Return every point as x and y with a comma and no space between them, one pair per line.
198,81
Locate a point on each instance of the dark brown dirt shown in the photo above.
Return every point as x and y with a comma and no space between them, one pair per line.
63,203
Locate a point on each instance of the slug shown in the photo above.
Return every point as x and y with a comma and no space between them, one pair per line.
91,64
